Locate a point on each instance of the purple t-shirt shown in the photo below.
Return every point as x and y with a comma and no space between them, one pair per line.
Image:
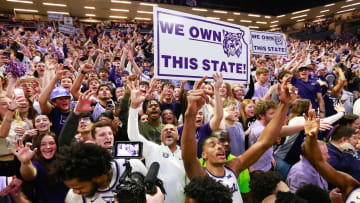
48,193
237,137
307,90
57,119
201,133
259,91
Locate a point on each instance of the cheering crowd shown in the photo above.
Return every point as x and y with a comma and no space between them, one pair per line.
290,135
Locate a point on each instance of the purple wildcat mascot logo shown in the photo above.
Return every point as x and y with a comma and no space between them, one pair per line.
279,40
232,43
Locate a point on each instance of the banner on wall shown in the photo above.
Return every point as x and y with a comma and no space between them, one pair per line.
268,43
187,47
55,16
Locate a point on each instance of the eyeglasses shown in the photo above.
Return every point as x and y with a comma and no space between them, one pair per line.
84,120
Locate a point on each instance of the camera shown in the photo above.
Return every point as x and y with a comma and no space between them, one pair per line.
127,150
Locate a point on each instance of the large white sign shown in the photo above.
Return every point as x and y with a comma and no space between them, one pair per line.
66,29
269,43
187,47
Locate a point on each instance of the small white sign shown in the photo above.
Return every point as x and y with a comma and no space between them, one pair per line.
66,29
68,21
55,16
268,43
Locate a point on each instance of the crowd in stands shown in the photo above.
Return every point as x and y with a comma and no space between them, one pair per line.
290,135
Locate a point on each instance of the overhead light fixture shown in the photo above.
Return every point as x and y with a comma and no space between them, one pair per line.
121,10
138,18
275,21
302,11
320,16
230,19
354,4
89,7
298,16
327,5
19,1
349,0
280,16
147,12
245,21
255,27
59,12
121,17
236,13
261,22
273,25
323,11
148,4
214,18
53,4
254,15
199,9
268,17
26,10
90,15
300,20
223,12
319,20
343,11
121,2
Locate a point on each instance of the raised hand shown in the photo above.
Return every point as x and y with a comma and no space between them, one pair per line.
287,92
136,95
197,84
84,102
312,124
218,79
86,67
339,107
197,97
23,153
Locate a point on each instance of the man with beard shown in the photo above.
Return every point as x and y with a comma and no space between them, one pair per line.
103,94
59,108
90,172
168,154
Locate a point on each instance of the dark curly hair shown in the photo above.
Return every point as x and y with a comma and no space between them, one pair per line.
207,190
83,161
264,184
313,194
288,197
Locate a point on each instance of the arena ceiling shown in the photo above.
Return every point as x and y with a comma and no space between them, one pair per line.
263,14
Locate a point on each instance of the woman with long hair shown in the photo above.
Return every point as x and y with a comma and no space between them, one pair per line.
247,118
36,167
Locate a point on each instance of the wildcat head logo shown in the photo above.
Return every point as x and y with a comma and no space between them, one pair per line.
232,43
279,40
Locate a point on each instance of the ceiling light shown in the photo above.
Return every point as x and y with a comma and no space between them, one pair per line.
138,18
267,16
230,19
300,20
298,16
349,0
148,12
302,11
53,4
275,21
323,11
254,15
273,25
199,9
121,2
327,5
215,18
354,4
280,16
223,12
26,10
319,20
89,7
236,13
255,27
320,16
260,22
343,11
19,1
246,21
58,12
148,4
122,17
122,10
90,15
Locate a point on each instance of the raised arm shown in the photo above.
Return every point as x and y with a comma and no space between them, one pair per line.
218,112
336,91
195,100
75,88
271,132
312,152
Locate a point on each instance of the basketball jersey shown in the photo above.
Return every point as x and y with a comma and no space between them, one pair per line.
231,181
354,196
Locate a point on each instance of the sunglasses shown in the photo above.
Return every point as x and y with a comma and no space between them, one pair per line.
84,120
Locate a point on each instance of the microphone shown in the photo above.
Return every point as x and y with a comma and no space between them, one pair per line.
151,178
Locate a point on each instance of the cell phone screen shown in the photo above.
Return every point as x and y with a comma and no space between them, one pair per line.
128,150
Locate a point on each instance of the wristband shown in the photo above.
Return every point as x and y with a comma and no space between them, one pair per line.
322,111
82,72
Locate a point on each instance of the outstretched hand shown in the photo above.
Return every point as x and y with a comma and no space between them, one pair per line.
312,124
84,102
197,97
218,79
287,92
136,96
23,153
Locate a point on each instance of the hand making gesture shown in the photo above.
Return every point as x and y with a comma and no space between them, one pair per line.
23,153
311,126
137,96
84,102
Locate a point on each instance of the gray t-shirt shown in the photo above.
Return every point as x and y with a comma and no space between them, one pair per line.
237,136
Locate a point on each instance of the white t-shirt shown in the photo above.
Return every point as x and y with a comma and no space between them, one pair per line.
107,194
354,196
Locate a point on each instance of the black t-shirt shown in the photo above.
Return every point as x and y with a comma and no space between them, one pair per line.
174,106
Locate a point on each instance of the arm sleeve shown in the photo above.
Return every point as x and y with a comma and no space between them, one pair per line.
69,129
332,119
251,91
134,134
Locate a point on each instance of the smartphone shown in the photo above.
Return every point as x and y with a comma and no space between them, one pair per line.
6,54
109,103
19,92
128,149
